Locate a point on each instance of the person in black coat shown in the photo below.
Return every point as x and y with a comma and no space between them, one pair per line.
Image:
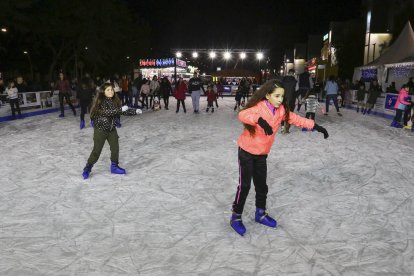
165,91
85,93
289,83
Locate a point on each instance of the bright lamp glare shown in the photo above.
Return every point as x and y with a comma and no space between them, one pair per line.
242,55
212,54
227,55
178,54
259,55
4,30
195,55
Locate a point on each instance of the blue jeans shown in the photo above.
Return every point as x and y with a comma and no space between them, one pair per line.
334,97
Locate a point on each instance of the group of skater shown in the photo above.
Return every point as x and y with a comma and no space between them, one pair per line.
261,117
269,107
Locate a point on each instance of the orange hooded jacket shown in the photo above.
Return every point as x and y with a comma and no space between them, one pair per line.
260,143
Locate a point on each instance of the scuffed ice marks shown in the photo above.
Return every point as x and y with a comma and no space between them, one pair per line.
344,204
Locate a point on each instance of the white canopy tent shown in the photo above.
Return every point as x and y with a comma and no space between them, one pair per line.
396,63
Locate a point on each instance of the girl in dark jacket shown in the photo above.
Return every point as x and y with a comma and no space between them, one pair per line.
165,91
105,110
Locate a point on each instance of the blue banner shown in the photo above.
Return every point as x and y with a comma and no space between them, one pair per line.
390,101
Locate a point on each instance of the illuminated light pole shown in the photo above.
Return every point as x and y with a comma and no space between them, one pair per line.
259,57
178,54
4,30
195,55
212,55
242,55
30,63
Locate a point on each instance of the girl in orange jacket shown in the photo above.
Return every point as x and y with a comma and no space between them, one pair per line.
261,117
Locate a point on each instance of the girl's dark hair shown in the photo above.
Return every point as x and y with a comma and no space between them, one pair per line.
260,95
100,97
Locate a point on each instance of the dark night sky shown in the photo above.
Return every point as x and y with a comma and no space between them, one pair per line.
274,25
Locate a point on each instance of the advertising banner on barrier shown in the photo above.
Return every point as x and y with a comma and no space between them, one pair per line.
390,100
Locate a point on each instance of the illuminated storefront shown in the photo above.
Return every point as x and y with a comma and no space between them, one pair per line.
163,67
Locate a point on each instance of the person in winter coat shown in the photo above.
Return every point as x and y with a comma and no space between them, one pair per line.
312,105
85,92
154,91
331,89
261,117
211,97
106,109
12,94
195,86
144,92
165,91
401,104
374,92
63,86
179,94
361,98
289,83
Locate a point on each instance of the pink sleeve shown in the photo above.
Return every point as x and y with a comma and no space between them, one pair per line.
299,121
250,116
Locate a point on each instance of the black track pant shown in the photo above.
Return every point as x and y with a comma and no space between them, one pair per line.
84,104
14,104
251,166
310,115
178,105
65,96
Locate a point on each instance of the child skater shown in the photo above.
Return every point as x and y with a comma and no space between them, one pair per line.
105,110
400,106
311,103
261,118
211,97
361,98
238,97
11,91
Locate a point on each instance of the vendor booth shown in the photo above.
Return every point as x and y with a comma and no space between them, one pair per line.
163,67
231,79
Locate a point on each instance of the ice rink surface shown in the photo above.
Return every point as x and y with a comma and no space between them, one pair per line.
344,205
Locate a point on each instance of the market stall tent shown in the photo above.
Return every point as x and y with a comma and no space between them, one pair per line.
387,67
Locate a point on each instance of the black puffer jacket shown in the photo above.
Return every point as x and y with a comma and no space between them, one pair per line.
108,113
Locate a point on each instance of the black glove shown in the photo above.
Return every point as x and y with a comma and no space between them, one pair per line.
322,130
266,127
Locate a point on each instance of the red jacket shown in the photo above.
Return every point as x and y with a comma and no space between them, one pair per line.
180,90
260,143
62,85
211,96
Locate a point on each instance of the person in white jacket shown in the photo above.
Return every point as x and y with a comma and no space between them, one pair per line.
12,91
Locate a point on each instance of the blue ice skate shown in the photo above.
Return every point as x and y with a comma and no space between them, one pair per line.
115,169
82,124
262,217
396,124
92,123
118,123
87,171
237,224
